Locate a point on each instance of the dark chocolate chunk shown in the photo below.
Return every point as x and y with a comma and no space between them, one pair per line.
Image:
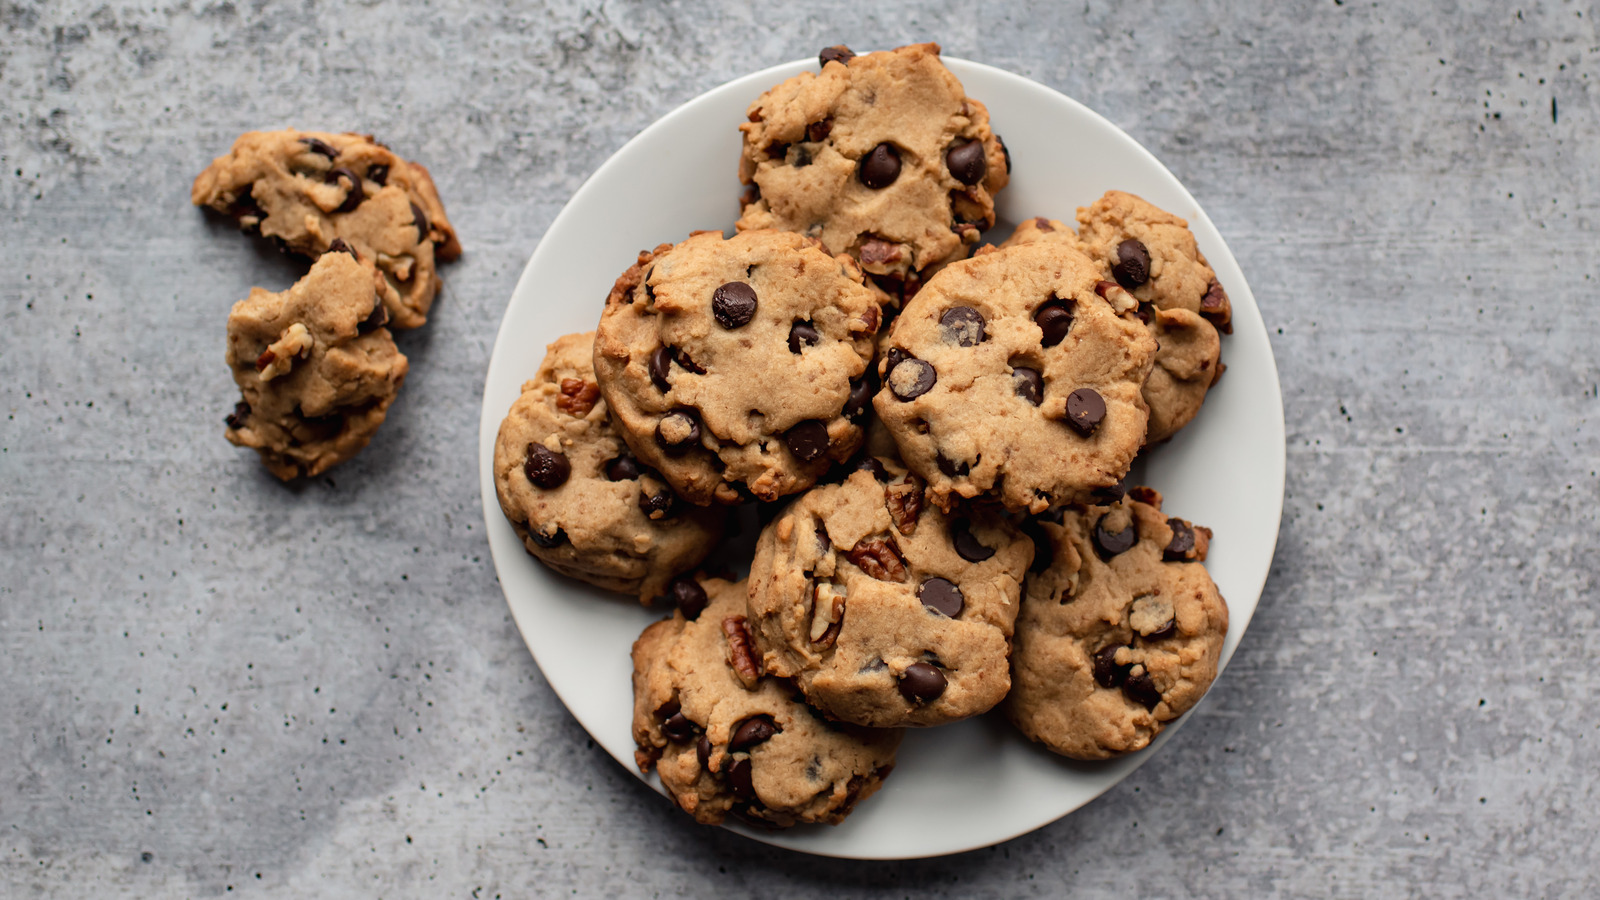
950,467
352,184
880,168
546,468
802,334
1133,264
968,547
855,406
316,145
1182,543
739,779
752,731
678,431
689,596
547,541
677,727
922,683
420,219
838,53
1111,543
378,175
942,596
623,468
1107,673
660,364
1085,409
660,501
966,162
702,750
807,440
1028,383
376,319
871,464
912,378
1141,690
1055,320
339,245
240,415
733,304
962,326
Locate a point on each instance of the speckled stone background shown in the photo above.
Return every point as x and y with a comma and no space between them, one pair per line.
212,685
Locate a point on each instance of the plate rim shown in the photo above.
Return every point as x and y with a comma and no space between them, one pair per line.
489,422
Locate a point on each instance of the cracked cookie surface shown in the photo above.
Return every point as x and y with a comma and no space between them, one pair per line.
309,188
1120,631
726,740
1018,373
581,502
884,610
739,367
316,366
882,156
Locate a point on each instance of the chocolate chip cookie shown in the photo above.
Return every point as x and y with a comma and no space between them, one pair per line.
882,156
884,610
582,503
739,367
1120,631
1018,373
316,365
1153,254
726,740
307,189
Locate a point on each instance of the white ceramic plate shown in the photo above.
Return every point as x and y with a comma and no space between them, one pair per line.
1225,470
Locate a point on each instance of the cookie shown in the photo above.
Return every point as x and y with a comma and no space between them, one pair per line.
316,365
306,189
739,367
1120,631
1017,373
581,502
881,156
725,740
1153,254
884,610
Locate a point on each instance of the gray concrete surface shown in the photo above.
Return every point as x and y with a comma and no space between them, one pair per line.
215,685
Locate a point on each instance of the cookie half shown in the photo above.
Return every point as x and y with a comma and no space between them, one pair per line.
738,367
1018,373
580,500
307,189
726,740
881,156
884,610
1121,628
316,366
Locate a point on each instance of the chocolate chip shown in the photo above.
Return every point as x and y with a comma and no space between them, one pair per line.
855,406
1112,493
1055,320
818,131
893,358
754,730
420,219
733,304
942,596
317,146
378,175
838,53
1085,409
879,168
802,158
546,468
1133,264
240,415
353,186
922,683
340,246
677,431
689,596
871,464
808,440
1182,544
1141,690
682,358
660,501
1164,632
547,541
1107,673
1028,384
802,334
677,727
660,364
739,779
966,162
950,467
378,318
1110,543
702,750
623,468
968,547
912,378
962,326
1044,548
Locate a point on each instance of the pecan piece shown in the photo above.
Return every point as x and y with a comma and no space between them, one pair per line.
904,500
879,557
879,252
577,397
741,651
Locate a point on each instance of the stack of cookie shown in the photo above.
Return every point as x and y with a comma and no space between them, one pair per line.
939,435
316,364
